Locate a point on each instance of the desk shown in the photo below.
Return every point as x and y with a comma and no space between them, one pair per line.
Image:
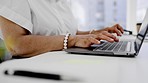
88,69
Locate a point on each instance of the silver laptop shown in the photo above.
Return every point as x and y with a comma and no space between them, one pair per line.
122,48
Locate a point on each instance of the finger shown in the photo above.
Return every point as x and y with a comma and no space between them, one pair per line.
120,28
94,41
118,32
116,40
110,35
113,37
104,37
117,29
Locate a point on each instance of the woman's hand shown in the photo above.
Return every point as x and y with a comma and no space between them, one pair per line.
114,29
83,40
105,34
87,40
96,36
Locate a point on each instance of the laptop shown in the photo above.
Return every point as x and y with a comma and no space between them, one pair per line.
128,48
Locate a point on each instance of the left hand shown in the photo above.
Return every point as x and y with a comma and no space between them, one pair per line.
116,29
107,32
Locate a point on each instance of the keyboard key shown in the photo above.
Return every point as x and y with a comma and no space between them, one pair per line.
116,46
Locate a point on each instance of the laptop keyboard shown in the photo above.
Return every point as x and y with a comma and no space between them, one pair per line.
116,46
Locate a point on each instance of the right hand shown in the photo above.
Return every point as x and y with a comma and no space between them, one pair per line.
87,40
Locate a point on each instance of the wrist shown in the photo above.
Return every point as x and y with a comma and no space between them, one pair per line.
92,31
71,41
65,44
107,28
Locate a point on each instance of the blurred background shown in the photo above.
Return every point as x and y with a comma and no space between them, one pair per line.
141,9
97,14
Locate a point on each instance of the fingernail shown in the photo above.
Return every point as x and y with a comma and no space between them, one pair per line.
98,42
119,34
111,40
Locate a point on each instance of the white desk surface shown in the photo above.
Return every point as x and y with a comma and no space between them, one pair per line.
84,68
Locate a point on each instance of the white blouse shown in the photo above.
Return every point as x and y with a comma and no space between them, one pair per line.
40,17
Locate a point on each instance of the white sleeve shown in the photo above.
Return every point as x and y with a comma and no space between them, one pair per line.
17,11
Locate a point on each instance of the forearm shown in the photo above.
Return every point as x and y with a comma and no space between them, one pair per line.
31,45
91,31
82,32
88,32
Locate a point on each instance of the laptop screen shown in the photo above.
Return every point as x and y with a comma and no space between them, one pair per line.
142,32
